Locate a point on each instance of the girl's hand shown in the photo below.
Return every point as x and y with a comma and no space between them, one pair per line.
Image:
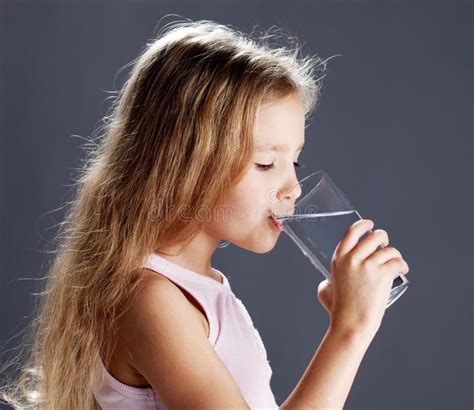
361,279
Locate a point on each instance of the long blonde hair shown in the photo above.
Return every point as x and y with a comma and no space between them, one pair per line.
179,135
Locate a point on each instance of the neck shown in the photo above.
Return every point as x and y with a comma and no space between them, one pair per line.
196,256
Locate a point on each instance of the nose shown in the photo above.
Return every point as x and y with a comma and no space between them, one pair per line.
291,190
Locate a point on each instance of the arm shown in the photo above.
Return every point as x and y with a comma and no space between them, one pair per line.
168,346
167,343
329,376
356,313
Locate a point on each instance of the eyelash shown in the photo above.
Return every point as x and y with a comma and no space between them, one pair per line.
263,167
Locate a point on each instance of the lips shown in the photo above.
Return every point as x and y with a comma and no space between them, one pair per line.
289,212
273,218
276,223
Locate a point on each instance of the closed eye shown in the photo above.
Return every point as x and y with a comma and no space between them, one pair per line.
266,167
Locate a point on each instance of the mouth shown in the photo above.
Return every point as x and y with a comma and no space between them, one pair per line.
275,223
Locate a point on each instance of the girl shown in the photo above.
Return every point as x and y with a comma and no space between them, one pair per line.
209,123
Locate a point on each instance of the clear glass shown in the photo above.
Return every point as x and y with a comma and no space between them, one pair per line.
321,217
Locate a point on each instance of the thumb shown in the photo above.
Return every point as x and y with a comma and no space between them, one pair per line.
325,294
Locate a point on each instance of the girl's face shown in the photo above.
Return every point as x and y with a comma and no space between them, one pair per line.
270,186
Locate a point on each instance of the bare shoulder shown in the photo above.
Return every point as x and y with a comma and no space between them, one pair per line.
163,336
158,292
160,283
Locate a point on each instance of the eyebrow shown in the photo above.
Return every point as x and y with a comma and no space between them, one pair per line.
276,147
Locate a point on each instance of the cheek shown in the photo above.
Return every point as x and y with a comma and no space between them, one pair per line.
248,206
244,208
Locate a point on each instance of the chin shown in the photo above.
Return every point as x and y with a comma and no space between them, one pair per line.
263,249
262,245
261,241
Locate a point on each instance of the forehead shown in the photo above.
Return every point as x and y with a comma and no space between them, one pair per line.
280,125
276,147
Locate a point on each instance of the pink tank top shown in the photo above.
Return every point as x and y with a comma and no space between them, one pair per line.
231,333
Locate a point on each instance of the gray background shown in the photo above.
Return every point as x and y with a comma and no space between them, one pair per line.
393,129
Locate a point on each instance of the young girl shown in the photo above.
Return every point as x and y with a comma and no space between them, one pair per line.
134,316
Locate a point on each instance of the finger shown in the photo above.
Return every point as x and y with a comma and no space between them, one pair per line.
396,266
352,235
324,294
383,255
367,246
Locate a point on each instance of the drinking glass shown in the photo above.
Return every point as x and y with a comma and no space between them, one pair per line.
319,222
